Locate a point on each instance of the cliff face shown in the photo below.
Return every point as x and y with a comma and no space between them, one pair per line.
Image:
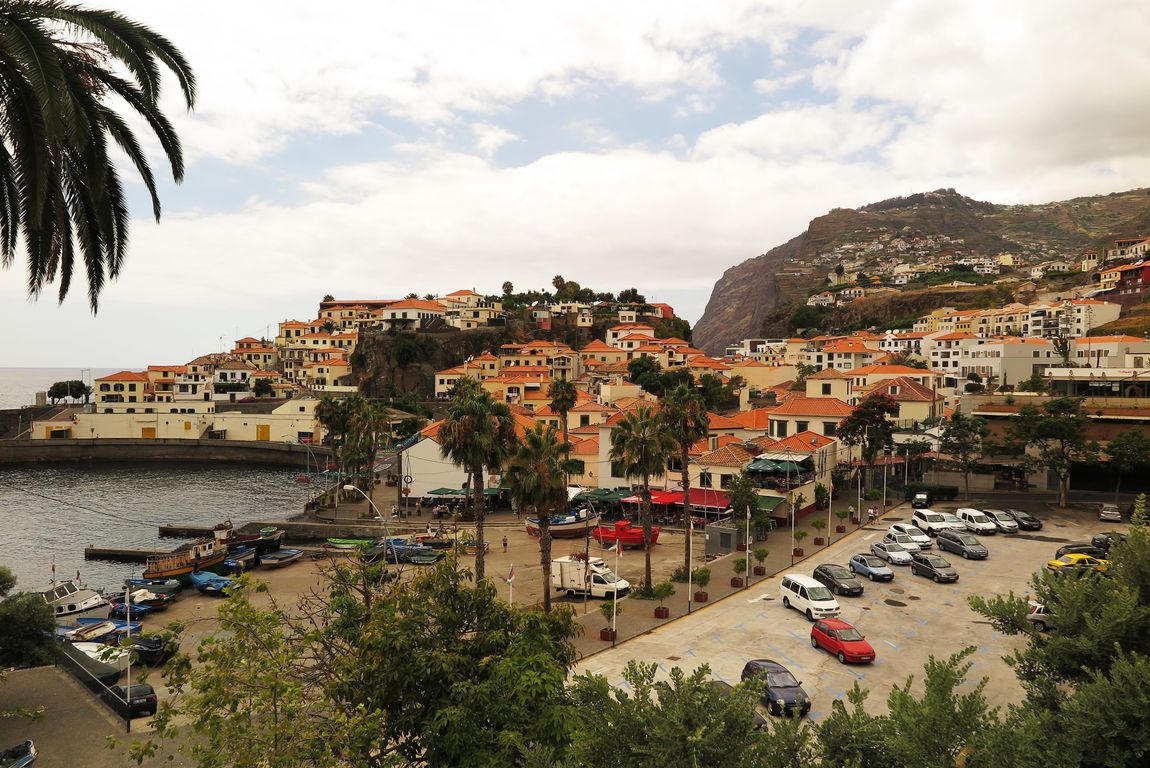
912,229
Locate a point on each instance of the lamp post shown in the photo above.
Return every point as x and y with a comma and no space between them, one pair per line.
378,515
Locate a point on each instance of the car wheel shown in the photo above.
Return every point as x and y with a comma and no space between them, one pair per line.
786,602
1040,626
842,658
937,580
836,591
814,642
810,616
966,555
870,576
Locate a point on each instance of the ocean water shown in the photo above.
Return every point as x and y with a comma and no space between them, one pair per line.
18,386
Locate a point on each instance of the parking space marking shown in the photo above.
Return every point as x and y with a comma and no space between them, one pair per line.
778,652
888,642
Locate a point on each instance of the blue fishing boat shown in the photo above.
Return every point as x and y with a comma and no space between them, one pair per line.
170,587
569,526
210,583
120,610
281,557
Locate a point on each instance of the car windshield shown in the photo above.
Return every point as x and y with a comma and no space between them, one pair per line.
1022,515
979,518
934,518
967,539
910,530
782,679
874,562
1066,559
839,572
819,593
608,577
849,634
893,546
950,518
903,539
938,562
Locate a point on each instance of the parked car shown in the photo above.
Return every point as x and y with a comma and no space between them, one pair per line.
921,500
808,597
1040,617
725,689
1077,562
1082,549
975,521
933,566
962,543
782,693
844,641
136,699
872,567
904,541
1004,522
1110,512
891,552
929,521
20,756
1107,539
954,523
839,580
916,534
1025,520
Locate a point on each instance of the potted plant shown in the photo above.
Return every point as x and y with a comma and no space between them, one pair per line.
761,554
818,524
610,609
701,577
799,536
661,592
842,516
739,566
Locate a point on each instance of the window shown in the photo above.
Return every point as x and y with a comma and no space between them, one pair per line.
674,465
826,389
829,428
801,426
725,481
780,429
584,420
617,469
705,480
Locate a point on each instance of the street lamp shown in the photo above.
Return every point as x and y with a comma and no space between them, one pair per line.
378,515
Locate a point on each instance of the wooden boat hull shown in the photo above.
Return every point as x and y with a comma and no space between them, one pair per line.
632,539
568,527
282,557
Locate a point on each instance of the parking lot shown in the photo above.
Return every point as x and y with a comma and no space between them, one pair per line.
906,620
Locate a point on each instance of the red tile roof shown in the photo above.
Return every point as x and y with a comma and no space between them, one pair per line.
814,406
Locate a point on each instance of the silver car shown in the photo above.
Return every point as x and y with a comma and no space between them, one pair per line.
891,552
1110,512
917,535
1005,523
903,540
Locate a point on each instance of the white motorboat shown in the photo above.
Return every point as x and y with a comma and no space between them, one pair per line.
106,654
69,601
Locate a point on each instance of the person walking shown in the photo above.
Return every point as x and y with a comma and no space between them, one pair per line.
505,544
871,515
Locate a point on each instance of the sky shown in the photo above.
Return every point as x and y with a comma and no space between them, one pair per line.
372,150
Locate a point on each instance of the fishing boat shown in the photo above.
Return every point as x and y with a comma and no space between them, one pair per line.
105,654
569,526
150,650
170,587
335,543
107,631
120,610
281,557
200,555
397,551
153,600
210,583
93,668
268,539
623,532
70,601
241,559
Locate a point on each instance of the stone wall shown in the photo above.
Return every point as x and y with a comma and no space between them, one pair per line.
73,450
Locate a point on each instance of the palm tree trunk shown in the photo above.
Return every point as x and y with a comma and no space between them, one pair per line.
480,515
646,507
685,481
545,555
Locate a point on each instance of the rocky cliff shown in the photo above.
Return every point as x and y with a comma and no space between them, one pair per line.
749,297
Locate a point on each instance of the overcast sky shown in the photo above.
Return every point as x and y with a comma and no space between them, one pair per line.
371,150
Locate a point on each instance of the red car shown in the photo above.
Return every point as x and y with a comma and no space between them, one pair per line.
841,639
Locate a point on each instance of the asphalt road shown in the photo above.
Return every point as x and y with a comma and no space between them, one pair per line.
906,620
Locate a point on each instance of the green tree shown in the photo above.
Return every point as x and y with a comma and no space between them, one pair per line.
962,440
537,477
1129,453
366,430
804,371
1034,384
477,432
508,288
327,297
77,390
744,496
720,394
869,427
563,397
263,387
26,624
62,66
647,373
686,417
642,443
1054,432
58,391
631,296
840,270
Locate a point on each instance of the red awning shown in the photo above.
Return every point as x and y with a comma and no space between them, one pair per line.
705,498
657,497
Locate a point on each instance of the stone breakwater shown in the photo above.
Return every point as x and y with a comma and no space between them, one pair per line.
160,450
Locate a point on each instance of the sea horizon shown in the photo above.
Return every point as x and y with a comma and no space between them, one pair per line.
19,384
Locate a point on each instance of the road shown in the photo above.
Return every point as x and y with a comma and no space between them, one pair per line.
906,620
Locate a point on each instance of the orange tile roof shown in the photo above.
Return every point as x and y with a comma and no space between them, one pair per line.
909,390
595,345
848,346
734,455
125,376
464,292
814,406
1106,339
756,418
636,337
625,326
704,445
828,373
588,446
702,361
805,441
433,306
718,421
902,369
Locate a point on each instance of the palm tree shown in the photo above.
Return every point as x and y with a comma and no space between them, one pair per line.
366,429
478,432
685,414
536,476
563,396
59,189
642,442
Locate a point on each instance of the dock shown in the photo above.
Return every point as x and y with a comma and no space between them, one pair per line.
121,555
185,532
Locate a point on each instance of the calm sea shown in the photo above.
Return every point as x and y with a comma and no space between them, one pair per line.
18,386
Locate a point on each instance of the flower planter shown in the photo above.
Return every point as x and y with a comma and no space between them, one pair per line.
742,547
736,582
701,597
798,551
840,529
819,541
662,612
760,570
606,635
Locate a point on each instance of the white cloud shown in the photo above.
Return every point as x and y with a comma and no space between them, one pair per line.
490,138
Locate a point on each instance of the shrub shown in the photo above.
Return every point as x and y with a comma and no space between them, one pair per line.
701,577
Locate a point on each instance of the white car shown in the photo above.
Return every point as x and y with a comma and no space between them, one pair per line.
904,541
975,521
1004,522
891,552
930,521
916,534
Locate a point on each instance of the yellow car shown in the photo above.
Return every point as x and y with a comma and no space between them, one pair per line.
1077,562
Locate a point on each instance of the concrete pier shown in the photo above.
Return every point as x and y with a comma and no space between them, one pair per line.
121,555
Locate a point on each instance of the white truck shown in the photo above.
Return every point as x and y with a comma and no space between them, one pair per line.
577,577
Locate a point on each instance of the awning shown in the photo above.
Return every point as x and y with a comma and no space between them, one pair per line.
446,492
705,498
786,467
602,496
770,503
657,497
762,465
784,456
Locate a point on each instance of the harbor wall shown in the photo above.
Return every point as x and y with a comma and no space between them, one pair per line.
139,449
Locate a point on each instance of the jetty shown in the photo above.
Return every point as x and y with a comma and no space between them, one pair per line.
122,555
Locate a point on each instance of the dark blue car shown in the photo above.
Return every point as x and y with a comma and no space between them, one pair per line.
782,693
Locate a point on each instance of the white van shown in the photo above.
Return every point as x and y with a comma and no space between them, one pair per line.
808,596
975,521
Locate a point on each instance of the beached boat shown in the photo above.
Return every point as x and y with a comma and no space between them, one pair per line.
335,543
105,654
268,539
69,601
281,557
200,555
20,756
570,526
120,610
153,600
241,559
169,587
624,532
106,631
210,583
150,650
93,668
396,551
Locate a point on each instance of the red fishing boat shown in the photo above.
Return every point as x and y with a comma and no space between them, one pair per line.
629,535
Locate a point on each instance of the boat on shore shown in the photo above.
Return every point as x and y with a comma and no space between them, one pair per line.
281,557
69,601
570,526
268,539
623,532
94,668
169,587
336,543
120,610
241,559
200,555
105,654
210,583
107,631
